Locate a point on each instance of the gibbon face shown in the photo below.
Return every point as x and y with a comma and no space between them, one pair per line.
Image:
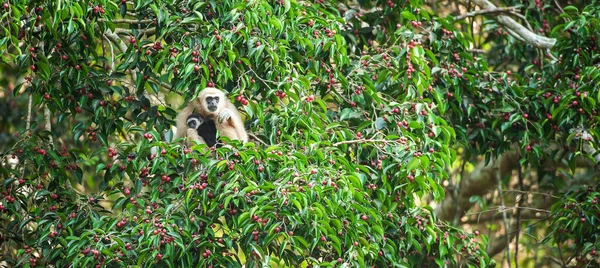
211,103
194,121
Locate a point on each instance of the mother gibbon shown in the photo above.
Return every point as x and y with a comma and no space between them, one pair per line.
212,104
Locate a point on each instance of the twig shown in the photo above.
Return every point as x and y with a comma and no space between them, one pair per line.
555,260
485,11
492,218
127,21
361,141
532,192
256,138
560,253
476,50
558,6
162,84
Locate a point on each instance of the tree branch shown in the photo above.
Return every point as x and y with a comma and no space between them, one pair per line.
485,12
528,213
148,32
162,84
47,122
517,30
113,37
29,108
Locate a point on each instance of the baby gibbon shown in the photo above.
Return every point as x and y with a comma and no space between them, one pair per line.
212,104
206,129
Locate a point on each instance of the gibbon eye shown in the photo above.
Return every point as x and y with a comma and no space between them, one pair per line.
217,99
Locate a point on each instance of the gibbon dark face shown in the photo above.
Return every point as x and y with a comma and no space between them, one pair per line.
212,103
205,128
194,121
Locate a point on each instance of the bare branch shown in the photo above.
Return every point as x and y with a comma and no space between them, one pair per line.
518,30
524,19
113,37
485,11
256,138
47,121
489,215
29,108
558,6
361,141
478,51
162,84
148,32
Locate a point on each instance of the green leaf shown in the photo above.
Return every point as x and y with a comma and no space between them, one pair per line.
408,15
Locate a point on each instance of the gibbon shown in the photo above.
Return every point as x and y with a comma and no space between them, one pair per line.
212,104
206,130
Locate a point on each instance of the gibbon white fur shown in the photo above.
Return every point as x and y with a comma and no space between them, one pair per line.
212,104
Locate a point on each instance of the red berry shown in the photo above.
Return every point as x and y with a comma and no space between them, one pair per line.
32,67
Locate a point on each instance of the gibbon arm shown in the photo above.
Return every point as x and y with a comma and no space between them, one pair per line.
192,136
234,127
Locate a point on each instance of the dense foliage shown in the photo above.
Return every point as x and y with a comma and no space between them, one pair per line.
357,112
335,179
